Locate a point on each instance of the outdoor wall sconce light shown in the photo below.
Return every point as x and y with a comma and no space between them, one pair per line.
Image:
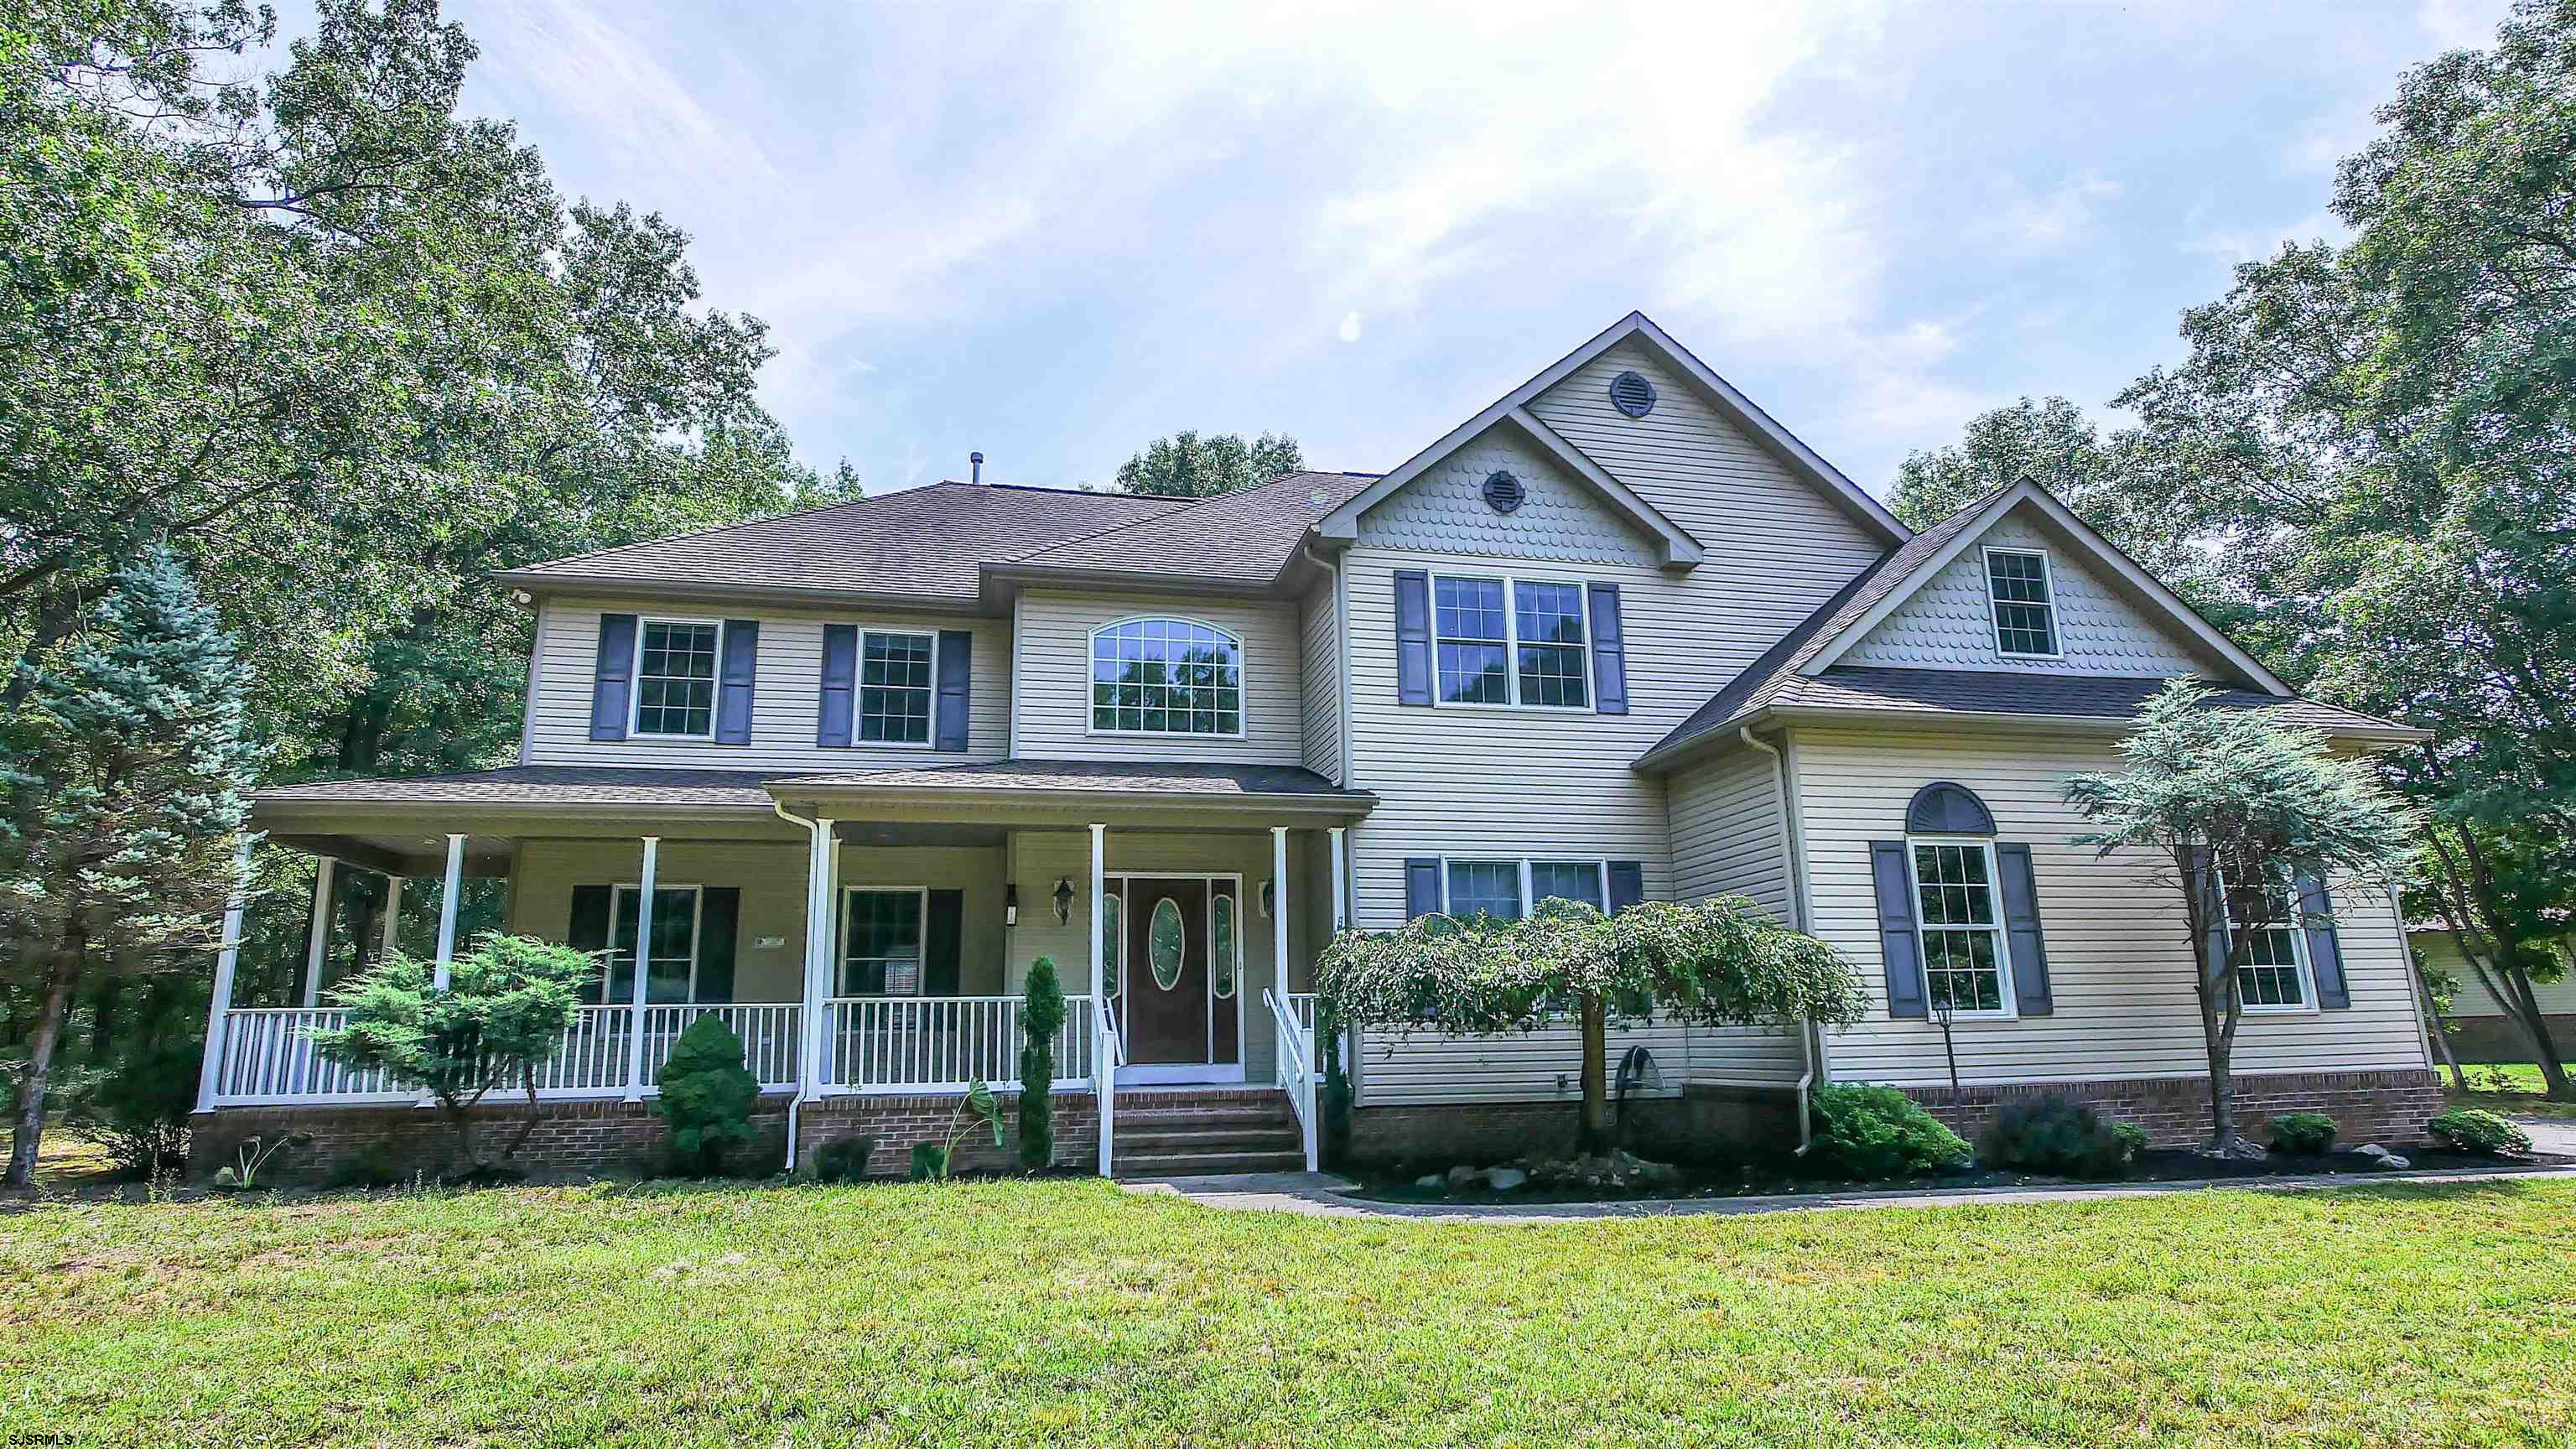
1064,901
1011,903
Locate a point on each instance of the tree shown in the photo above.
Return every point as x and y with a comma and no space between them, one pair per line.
1186,465
706,1095
505,1009
1041,1017
2050,441
1719,963
124,759
2233,810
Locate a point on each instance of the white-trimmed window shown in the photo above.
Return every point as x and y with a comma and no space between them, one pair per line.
2271,959
1113,938
671,966
2023,598
675,678
1510,641
896,668
1225,947
1959,922
1503,888
881,940
1166,677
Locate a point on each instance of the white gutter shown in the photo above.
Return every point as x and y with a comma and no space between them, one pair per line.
1797,920
805,979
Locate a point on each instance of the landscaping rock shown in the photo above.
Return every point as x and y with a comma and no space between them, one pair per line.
1432,1182
1461,1176
2239,1150
1505,1179
2390,1162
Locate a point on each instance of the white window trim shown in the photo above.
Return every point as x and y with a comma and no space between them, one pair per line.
2011,1009
1994,611
1242,673
1512,645
841,934
859,689
1528,901
635,682
2295,923
624,963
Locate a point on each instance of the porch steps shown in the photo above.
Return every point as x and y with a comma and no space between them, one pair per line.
1188,1134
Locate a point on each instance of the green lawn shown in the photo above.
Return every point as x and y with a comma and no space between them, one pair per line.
1069,1313
2521,1095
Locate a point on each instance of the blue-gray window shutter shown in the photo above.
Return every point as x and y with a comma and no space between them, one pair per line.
1609,652
588,933
956,688
1421,888
840,685
1627,884
2022,936
2213,946
2325,953
612,689
736,670
1898,946
1412,637
719,923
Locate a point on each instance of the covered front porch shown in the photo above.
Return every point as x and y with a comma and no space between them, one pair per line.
863,934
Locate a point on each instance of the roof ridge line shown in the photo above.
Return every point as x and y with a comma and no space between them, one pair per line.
1177,507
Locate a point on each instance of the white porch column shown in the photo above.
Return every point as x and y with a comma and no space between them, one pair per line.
643,958
317,935
227,953
1104,1067
1341,886
393,916
1279,908
447,909
822,870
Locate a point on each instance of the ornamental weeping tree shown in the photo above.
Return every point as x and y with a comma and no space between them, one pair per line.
2233,811
1718,963
505,1009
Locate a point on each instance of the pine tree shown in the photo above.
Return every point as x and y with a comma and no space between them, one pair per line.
1041,1017
125,761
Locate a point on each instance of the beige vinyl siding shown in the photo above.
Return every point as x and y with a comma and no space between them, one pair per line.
1948,623
2120,971
786,696
1515,783
2557,998
1053,678
1040,858
1727,831
772,881
1320,708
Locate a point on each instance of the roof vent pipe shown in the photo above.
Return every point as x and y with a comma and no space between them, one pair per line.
976,461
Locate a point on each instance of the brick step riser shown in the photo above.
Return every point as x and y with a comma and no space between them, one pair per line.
1267,1137
1206,1122
1205,1164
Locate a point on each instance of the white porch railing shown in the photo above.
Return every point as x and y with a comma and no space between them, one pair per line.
1295,1019
882,1044
268,1056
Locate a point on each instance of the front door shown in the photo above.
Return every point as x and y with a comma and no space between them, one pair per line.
1166,987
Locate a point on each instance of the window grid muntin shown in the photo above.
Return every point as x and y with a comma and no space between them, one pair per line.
2273,970
1482,887
1166,677
1959,923
672,961
1574,880
2024,599
675,678
882,940
1474,663
896,686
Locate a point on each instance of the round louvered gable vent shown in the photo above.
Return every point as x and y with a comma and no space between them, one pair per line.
1503,492
1632,394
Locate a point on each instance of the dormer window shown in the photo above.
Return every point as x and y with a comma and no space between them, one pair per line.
2024,602
1166,677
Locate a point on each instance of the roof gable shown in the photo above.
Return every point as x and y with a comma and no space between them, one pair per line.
1559,516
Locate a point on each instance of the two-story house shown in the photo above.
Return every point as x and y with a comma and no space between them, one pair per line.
843,775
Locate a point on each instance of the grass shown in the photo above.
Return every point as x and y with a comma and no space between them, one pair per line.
2520,1096
1069,1313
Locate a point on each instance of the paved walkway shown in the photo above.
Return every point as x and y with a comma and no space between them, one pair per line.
2550,1134
1324,1195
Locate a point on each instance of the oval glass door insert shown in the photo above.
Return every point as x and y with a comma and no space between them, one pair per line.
1165,940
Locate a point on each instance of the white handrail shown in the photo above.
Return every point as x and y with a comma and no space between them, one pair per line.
1296,1064
896,1044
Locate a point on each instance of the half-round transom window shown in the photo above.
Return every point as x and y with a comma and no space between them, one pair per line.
1166,677
1221,947
1167,940
1632,394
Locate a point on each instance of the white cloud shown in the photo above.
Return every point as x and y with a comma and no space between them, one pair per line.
1349,331
2048,221
2235,244
2459,24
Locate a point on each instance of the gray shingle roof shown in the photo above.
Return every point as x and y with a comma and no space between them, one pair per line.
1118,777
541,785
1245,537
2085,696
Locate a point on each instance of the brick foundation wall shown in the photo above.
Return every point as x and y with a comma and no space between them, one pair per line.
2386,1106
569,1138
1705,1123
2500,1039
899,1122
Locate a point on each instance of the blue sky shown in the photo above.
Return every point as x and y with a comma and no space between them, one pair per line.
1053,233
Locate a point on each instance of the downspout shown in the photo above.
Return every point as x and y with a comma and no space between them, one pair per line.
1797,921
804,980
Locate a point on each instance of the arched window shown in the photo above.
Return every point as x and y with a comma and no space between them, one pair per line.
1942,808
1166,677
